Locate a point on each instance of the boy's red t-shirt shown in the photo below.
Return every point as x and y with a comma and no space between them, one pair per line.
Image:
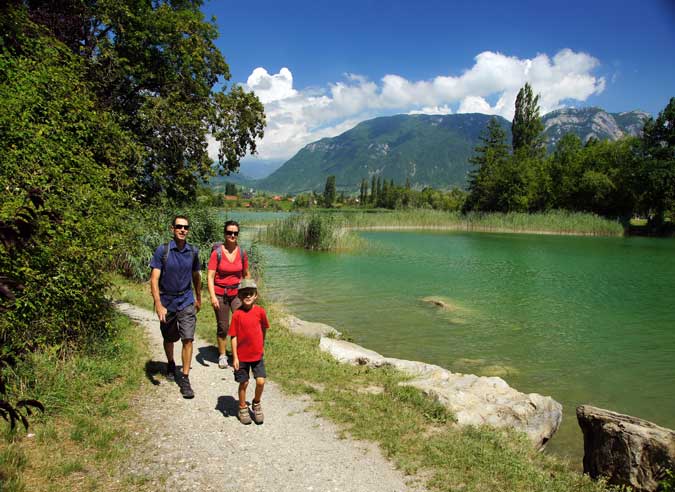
227,272
248,327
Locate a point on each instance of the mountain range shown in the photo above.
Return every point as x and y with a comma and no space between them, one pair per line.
430,150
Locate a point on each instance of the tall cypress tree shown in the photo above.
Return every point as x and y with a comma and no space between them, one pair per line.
329,192
527,128
373,190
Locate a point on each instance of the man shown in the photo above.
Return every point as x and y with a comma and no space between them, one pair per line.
175,271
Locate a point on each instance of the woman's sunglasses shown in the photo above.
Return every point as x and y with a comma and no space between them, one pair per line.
232,233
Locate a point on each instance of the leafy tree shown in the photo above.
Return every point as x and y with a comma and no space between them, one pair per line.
231,189
54,138
657,176
155,64
329,192
527,128
565,171
485,181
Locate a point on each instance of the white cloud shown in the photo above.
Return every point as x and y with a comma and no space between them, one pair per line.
297,117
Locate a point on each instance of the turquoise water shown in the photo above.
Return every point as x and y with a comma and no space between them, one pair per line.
584,320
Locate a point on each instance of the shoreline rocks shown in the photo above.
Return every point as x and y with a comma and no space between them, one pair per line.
474,400
627,450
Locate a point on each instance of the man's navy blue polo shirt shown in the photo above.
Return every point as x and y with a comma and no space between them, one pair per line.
177,275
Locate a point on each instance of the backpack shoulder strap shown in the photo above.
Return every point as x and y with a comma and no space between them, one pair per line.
244,257
165,255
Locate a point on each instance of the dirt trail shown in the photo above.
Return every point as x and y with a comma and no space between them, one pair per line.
200,444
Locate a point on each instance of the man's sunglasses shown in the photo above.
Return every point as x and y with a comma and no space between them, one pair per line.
232,233
181,226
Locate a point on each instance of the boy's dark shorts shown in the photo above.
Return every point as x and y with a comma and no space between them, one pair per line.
179,325
241,375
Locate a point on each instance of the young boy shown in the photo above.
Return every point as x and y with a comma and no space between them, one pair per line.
247,330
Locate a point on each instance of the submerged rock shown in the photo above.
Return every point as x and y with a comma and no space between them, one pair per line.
627,450
474,400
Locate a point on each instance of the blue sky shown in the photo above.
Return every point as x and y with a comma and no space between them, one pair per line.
321,68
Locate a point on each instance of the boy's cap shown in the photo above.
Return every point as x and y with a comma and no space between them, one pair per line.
247,283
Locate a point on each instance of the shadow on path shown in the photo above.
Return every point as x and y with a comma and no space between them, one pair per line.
227,405
153,368
207,353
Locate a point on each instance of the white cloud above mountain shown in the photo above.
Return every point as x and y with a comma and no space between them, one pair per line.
296,117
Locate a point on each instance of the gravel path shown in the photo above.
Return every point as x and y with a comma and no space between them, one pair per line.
200,444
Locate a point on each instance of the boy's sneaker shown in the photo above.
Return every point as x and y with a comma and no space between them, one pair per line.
185,388
222,361
171,370
244,416
258,415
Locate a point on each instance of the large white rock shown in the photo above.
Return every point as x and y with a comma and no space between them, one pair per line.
309,328
474,400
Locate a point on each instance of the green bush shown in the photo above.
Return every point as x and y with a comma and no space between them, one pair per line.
149,228
55,140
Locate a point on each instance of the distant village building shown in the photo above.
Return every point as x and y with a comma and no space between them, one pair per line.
231,198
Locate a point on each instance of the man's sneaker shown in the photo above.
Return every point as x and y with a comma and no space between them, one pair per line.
244,416
171,370
185,388
222,361
258,415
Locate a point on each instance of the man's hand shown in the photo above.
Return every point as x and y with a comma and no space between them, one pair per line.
235,364
161,312
198,304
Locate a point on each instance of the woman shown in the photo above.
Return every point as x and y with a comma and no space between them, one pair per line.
224,275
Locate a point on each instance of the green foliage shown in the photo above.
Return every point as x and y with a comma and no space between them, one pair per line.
656,176
155,65
490,162
54,139
329,192
321,232
667,484
527,128
147,229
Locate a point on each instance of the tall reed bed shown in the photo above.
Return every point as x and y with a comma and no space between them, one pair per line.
320,232
334,231
553,222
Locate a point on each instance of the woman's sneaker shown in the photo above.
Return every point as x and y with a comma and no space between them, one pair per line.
244,416
222,361
258,415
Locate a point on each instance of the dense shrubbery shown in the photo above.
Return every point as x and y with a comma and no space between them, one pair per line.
56,141
149,228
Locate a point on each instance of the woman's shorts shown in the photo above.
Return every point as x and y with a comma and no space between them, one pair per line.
228,304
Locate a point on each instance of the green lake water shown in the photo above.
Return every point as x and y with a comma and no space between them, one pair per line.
584,320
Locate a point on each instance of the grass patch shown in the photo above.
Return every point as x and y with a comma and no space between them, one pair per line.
85,434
